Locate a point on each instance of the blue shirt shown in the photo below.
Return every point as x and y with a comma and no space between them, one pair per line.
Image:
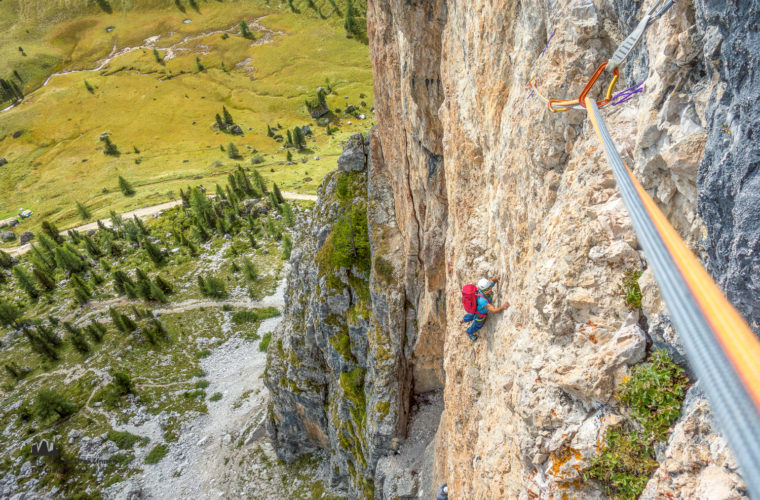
482,303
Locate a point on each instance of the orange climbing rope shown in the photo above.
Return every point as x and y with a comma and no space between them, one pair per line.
721,347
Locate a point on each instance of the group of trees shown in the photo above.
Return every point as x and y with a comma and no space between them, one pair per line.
296,139
10,90
225,122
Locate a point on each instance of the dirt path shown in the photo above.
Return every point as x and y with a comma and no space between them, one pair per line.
210,444
143,213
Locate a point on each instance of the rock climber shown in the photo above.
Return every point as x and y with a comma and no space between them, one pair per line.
477,301
443,492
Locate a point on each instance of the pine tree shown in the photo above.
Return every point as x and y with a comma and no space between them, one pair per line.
289,157
232,152
116,319
249,270
44,278
76,338
269,131
158,57
52,232
89,87
49,403
198,64
9,313
278,194
289,142
350,23
259,181
69,261
299,140
287,246
84,213
82,292
6,261
48,335
155,253
287,214
126,187
92,248
164,285
220,123
227,117
244,31
157,294
110,148
74,236
41,345
26,282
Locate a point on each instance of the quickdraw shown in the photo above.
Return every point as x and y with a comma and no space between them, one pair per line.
580,103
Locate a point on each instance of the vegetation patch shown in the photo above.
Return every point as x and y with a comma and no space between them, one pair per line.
653,394
156,454
124,440
630,290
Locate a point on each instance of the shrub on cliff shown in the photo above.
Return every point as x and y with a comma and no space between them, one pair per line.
653,393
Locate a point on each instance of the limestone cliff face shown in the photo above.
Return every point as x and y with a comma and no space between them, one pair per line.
468,174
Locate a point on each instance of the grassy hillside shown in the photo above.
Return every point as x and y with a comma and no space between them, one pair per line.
160,111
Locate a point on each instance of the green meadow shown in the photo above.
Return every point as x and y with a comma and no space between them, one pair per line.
158,106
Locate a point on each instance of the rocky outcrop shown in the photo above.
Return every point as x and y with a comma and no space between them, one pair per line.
469,175
336,367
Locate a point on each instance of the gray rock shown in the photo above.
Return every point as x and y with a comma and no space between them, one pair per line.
7,236
354,155
729,180
3,161
236,130
306,130
26,237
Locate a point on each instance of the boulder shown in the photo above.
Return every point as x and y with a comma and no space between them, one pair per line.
10,222
354,155
305,129
7,236
236,130
3,161
26,237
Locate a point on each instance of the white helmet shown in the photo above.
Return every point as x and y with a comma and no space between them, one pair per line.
484,284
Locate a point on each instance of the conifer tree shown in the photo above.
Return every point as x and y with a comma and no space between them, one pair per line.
220,123
41,345
110,148
52,232
199,64
74,236
116,319
76,338
289,142
9,313
350,22
227,117
158,57
49,335
287,214
92,248
287,246
157,294
82,292
6,261
269,131
44,277
26,282
299,140
289,157
244,31
155,253
278,194
232,152
48,404
164,285
68,261
84,212
249,270
126,187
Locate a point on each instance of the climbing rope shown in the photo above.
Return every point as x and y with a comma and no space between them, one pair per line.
723,351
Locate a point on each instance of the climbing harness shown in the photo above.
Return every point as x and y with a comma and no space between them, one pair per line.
722,349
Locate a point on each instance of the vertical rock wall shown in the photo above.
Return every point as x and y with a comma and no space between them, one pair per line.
529,194
468,174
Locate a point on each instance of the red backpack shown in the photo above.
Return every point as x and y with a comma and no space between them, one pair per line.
470,298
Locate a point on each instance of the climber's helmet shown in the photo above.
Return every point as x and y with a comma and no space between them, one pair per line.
484,285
